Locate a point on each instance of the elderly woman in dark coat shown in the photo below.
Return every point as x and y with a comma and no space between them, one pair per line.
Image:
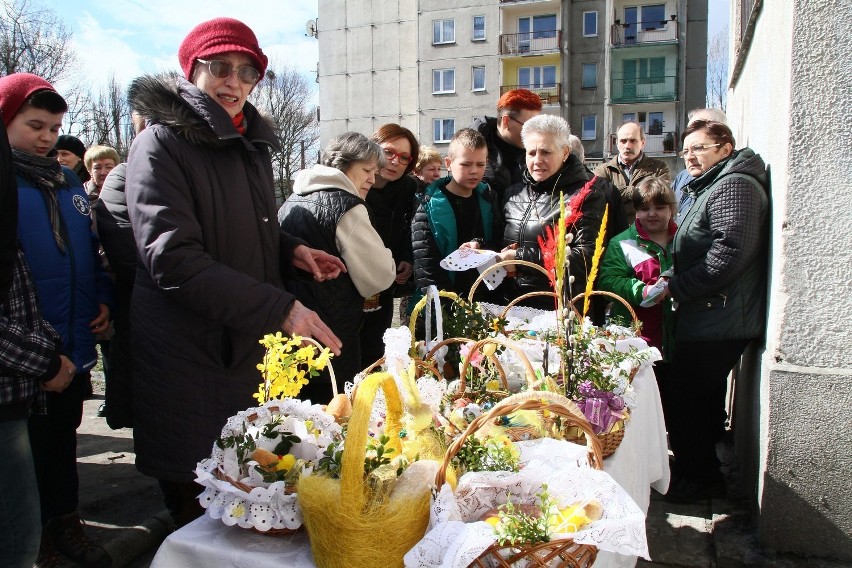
532,205
328,211
719,285
201,202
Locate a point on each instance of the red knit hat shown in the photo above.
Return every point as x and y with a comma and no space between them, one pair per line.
15,89
220,35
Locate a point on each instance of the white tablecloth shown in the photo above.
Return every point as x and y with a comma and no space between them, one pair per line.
641,462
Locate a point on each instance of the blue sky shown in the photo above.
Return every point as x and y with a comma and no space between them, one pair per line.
132,37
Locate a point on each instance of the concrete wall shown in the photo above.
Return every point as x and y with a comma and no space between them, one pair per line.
694,55
791,104
579,101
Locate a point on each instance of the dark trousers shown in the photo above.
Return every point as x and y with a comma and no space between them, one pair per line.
53,438
662,371
181,499
119,397
696,399
373,330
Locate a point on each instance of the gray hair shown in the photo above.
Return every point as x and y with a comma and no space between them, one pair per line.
351,147
548,124
577,148
714,114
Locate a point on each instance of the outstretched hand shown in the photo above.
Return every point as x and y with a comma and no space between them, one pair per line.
306,323
322,265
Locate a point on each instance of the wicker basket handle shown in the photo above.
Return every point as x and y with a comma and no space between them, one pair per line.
352,497
418,307
421,364
505,408
530,372
463,340
316,344
626,304
501,264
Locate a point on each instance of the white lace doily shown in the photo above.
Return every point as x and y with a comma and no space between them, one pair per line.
266,506
456,535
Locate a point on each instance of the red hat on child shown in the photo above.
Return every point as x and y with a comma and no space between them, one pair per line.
220,35
15,89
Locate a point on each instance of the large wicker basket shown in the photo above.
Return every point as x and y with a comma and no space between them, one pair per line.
559,553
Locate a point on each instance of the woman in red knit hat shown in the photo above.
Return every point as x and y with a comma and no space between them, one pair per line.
201,200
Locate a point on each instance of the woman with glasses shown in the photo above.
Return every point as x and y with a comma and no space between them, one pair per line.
201,202
391,204
719,287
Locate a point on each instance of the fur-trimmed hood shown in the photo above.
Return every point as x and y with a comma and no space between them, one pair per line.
179,105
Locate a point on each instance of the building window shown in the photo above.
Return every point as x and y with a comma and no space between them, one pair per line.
590,127
653,17
479,28
644,71
443,81
443,129
443,31
478,78
590,76
590,24
532,30
655,123
537,77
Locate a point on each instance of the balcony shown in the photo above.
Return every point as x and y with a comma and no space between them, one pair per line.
643,90
531,43
550,95
640,33
661,143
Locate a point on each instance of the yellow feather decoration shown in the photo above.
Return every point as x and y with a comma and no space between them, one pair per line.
596,259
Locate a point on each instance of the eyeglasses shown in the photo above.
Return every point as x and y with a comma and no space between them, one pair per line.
516,120
696,149
403,159
222,70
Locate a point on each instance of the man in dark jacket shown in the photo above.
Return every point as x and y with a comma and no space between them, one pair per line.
200,196
503,136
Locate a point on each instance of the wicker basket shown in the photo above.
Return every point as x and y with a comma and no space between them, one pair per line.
637,325
559,553
345,526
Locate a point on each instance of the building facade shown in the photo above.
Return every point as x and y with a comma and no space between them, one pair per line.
434,65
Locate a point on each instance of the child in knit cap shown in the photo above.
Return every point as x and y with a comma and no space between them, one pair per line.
74,292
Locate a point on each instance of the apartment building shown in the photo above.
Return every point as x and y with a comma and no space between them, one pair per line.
434,65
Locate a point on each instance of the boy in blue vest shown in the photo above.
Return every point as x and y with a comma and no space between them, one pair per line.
73,290
456,211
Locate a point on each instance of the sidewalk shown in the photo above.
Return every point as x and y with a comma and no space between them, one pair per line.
123,510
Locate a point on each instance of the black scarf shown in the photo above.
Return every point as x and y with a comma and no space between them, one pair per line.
46,175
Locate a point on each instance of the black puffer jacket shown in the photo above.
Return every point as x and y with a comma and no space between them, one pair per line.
391,209
531,206
202,206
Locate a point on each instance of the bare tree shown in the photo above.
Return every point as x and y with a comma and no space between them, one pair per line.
284,97
109,117
717,70
34,40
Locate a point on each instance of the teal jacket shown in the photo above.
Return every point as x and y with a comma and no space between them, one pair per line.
630,262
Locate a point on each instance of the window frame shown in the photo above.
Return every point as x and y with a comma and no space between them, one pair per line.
644,21
441,123
473,29
583,132
541,84
438,32
473,86
441,73
583,84
585,31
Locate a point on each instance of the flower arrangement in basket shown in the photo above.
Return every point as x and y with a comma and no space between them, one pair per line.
262,452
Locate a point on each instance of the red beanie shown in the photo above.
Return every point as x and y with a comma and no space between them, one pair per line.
15,89
220,35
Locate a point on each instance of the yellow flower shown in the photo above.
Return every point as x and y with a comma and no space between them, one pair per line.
569,520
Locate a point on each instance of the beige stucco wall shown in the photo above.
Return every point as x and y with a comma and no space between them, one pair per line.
791,105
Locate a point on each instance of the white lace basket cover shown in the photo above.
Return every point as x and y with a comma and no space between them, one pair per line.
267,506
456,536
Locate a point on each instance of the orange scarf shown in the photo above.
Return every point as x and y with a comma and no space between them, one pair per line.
240,122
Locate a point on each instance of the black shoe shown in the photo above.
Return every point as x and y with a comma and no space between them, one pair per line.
49,557
687,490
66,533
102,410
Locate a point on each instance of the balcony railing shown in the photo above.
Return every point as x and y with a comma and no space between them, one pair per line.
646,89
643,32
662,143
550,94
547,41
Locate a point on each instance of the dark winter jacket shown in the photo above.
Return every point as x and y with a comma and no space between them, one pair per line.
8,215
720,253
532,206
72,284
506,164
391,209
646,167
435,235
326,211
29,347
201,202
